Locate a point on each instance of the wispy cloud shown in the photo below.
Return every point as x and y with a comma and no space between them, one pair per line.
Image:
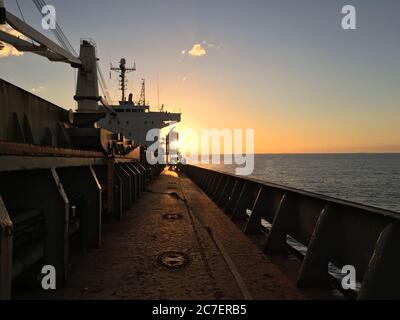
38,89
7,50
207,44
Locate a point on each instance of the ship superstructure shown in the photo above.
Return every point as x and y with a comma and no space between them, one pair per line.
134,119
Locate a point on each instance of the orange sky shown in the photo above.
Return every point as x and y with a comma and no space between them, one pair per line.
288,72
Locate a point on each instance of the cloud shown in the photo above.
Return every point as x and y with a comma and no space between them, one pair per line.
181,79
209,45
7,50
37,89
197,50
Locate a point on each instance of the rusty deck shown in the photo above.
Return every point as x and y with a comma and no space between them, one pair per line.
175,216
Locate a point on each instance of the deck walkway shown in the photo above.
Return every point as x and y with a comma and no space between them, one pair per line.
224,265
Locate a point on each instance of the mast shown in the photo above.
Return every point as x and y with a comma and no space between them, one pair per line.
142,100
123,70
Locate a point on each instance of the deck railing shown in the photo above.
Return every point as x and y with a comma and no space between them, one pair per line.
334,231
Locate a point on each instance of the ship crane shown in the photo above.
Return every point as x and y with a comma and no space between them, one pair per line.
87,88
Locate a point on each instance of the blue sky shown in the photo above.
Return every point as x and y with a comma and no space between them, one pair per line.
283,67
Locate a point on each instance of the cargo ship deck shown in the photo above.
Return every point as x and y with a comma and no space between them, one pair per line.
174,243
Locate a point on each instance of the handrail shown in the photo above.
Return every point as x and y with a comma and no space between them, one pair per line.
334,231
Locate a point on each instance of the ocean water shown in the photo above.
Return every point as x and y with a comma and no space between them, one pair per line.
371,179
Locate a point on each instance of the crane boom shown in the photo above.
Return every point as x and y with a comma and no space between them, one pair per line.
25,46
87,89
48,48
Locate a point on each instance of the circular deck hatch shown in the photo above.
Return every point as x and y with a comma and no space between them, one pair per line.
174,260
172,216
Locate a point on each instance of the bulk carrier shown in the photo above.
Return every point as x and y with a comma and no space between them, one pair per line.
77,193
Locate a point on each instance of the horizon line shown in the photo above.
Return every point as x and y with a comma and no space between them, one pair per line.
305,153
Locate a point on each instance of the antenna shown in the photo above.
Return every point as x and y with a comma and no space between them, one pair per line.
123,70
158,92
142,99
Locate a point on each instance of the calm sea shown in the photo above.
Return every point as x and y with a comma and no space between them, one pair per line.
372,179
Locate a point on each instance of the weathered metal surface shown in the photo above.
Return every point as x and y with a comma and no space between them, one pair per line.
6,227
28,238
91,139
31,121
52,193
17,163
21,149
18,156
86,119
73,176
19,107
348,235
81,181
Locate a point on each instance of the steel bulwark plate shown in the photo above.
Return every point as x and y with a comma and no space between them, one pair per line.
20,156
16,163
23,149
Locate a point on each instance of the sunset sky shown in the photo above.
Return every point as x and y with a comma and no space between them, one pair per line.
283,67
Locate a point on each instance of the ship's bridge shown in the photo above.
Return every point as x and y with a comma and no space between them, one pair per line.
134,121
130,106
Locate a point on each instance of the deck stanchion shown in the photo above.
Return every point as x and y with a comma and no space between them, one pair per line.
243,195
208,176
226,192
54,255
314,269
276,241
126,185
234,196
138,180
202,178
110,187
117,197
82,183
142,170
210,184
217,186
221,194
253,225
135,180
382,280
246,200
96,221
